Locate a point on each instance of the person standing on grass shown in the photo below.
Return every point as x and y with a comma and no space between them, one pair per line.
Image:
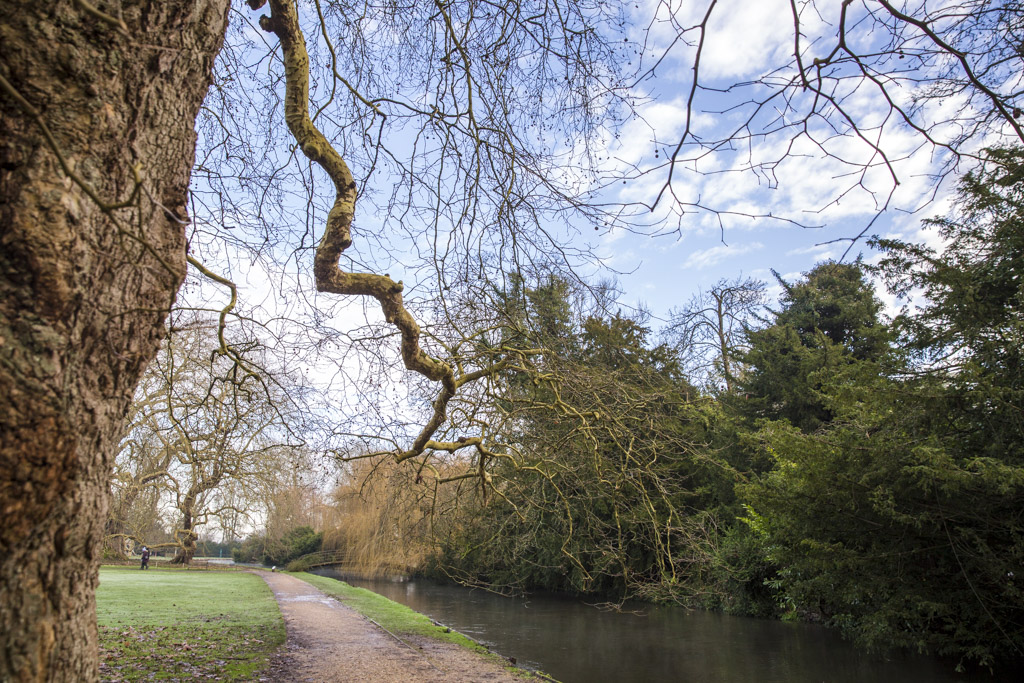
145,558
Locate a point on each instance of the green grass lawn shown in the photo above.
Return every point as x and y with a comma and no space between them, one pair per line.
396,618
170,624
402,620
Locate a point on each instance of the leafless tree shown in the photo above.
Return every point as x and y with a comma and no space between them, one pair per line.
709,330
213,429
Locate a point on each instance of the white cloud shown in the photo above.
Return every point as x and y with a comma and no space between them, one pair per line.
706,258
820,252
745,36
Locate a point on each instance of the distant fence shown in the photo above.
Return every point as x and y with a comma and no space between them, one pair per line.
162,562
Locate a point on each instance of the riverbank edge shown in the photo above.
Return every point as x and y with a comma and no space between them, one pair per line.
362,600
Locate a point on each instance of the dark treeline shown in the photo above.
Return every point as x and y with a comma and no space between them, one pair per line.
811,459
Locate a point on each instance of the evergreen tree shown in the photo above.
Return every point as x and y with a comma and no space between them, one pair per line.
901,518
828,321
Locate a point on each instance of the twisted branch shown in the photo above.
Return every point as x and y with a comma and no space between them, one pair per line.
330,277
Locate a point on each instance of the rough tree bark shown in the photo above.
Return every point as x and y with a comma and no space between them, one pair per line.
186,536
96,110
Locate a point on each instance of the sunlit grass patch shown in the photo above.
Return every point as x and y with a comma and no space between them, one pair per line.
391,615
184,626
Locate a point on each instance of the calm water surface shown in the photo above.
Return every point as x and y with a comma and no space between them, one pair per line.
576,643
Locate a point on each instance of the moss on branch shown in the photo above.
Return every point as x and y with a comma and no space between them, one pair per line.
330,277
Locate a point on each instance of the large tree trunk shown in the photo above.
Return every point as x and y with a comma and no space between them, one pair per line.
82,296
115,541
186,536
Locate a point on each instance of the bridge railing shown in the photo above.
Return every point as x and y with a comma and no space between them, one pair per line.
341,558
318,559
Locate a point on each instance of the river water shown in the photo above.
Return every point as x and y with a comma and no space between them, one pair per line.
577,643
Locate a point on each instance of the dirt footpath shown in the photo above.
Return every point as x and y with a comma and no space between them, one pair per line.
329,642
